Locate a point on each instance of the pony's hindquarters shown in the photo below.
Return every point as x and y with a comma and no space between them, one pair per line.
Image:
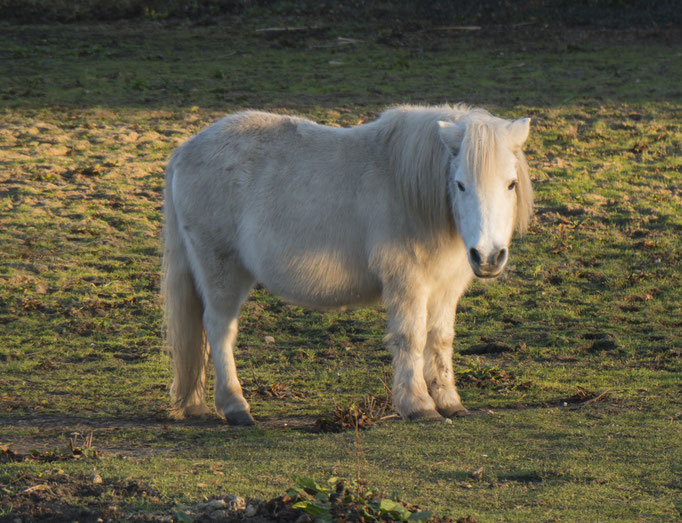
183,310
205,285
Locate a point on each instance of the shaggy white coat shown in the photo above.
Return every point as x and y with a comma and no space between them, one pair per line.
405,209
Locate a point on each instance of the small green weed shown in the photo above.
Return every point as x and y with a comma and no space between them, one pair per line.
81,445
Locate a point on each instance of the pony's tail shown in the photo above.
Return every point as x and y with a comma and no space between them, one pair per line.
183,312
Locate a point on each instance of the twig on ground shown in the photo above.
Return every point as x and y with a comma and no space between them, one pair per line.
596,398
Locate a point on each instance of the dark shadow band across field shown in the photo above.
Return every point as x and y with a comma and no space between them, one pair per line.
174,65
570,362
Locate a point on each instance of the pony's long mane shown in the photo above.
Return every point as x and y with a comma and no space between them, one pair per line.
419,159
524,194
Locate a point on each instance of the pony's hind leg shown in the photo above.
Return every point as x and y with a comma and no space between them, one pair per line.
438,372
221,315
224,284
221,331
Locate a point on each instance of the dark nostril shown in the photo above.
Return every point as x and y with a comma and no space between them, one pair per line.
501,256
475,256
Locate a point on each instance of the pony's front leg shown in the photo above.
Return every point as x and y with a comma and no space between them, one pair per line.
438,371
221,332
406,339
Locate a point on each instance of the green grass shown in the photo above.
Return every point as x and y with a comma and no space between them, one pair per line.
590,302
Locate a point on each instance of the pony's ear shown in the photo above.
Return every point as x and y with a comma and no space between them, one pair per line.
518,132
451,135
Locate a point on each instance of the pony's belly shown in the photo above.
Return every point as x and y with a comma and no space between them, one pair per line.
321,281
332,300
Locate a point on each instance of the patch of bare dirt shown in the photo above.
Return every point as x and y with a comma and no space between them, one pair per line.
51,498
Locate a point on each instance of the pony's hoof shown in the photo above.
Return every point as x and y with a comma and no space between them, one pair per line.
454,412
240,418
190,411
425,415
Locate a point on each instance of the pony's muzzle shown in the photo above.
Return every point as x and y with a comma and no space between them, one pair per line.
488,266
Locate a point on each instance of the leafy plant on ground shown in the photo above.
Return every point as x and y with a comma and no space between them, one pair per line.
349,501
481,375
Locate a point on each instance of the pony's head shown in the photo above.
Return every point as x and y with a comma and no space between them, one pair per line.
489,187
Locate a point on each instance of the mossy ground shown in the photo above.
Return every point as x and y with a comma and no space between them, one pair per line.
590,302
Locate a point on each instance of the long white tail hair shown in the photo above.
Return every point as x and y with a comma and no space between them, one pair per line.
182,318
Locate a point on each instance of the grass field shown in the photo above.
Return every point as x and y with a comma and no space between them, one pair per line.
570,362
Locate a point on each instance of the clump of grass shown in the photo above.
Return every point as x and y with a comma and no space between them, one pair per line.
361,415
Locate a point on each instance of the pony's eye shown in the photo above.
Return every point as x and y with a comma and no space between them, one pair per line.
460,186
512,186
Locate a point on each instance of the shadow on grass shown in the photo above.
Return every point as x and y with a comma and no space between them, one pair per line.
230,65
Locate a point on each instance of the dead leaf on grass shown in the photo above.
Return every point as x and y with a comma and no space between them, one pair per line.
477,474
278,391
35,488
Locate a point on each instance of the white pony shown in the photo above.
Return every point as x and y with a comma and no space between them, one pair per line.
405,209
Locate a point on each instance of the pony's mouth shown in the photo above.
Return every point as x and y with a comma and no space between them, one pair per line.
487,274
